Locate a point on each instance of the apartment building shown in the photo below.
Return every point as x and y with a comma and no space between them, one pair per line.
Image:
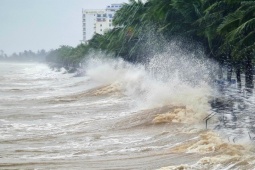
98,20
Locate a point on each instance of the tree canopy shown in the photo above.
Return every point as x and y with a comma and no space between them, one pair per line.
225,29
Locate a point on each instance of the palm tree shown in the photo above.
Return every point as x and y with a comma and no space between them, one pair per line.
239,30
213,15
131,25
175,17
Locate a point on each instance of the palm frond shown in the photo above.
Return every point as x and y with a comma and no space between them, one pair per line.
231,21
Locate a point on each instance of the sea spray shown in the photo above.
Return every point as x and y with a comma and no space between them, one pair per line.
170,78
91,131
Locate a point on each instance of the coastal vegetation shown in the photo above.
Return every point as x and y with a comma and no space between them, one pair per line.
224,29
25,56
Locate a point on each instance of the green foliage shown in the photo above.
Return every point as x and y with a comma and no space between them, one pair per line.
238,30
225,29
68,57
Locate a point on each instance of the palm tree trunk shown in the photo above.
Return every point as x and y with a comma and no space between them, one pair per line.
220,73
249,72
229,66
238,76
229,73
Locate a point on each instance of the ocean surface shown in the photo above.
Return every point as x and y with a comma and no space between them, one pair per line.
122,116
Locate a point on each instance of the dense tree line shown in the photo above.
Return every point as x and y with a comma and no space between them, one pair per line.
224,28
67,56
25,56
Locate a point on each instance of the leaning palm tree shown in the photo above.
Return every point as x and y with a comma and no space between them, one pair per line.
134,25
213,15
239,30
175,17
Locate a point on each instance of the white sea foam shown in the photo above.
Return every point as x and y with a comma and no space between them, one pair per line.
171,77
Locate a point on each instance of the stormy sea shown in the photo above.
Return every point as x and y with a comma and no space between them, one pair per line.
167,113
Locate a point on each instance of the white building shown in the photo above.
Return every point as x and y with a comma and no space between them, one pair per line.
98,21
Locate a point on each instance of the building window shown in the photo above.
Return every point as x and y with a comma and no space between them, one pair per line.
101,30
98,15
110,15
110,20
104,15
100,25
110,25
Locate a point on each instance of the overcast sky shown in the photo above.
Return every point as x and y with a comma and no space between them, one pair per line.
43,24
